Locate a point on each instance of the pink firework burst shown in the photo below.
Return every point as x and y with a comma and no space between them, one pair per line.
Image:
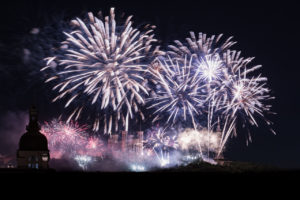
70,139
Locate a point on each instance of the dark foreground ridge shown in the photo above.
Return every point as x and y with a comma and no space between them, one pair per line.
186,178
233,169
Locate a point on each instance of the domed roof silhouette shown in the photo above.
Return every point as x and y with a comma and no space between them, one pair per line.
33,140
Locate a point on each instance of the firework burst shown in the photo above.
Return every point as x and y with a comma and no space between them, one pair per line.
177,91
219,85
161,143
103,64
71,139
160,138
243,98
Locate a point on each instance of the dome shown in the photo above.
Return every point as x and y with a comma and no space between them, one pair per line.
33,142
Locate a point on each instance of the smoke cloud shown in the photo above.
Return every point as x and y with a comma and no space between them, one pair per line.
12,127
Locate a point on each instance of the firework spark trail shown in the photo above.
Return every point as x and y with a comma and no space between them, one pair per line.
200,46
104,63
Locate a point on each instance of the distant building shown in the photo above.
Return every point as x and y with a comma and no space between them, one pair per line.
33,146
127,142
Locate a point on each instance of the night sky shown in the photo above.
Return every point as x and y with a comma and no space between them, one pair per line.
267,31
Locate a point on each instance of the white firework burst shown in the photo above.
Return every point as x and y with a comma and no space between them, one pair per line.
210,68
103,65
160,138
177,91
239,90
206,54
240,94
225,87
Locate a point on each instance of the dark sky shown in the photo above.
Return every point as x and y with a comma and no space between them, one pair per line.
268,31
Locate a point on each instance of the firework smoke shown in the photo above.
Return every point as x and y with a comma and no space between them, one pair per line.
201,141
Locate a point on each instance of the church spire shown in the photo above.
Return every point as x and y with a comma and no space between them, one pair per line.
33,126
